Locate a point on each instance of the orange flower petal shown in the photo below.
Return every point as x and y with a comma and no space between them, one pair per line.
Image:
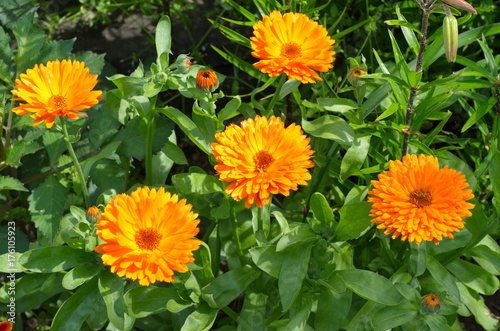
261,157
294,44
148,234
418,201
58,89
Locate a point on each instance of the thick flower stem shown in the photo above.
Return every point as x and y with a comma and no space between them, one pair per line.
426,7
76,163
276,96
148,156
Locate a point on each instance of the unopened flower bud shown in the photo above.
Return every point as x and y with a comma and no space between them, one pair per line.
430,303
355,76
461,4
450,37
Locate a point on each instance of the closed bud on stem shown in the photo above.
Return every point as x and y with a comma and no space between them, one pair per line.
461,4
450,37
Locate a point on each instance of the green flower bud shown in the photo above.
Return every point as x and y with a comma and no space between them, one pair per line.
461,4
450,37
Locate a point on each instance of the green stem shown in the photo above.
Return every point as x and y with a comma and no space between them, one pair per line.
276,96
149,151
78,168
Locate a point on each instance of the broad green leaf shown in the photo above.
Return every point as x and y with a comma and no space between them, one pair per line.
418,258
330,127
494,171
299,313
321,209
104,153
475,303
93,61
354,220
299,234
487,258
292,273
80,274
443,277
330,319
389,111
30,39
163,41
144,301
18,149
111,288
102,127
197,183
29,293
390,317
266,257
474,277
363,319
338,105
371,286
55,258
253,313
54,144
201,319
9,183
188,127
46,207
230,110
289,86
229,286
355,156
107,174
74,311
436,322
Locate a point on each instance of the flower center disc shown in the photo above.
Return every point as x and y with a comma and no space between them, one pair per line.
262,160
291,51
57,102
420,198
147,239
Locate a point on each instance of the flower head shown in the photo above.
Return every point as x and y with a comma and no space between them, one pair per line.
262,157
148,235
93,212
206,80
430,303
418,201
354,76
294,44
6,326
58,89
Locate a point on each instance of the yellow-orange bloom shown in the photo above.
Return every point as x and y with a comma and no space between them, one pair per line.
6,326
206,80
262,157
58,89
148,234
294,44
418,201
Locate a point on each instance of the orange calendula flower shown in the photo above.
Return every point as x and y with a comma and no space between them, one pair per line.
294,44
262,157
206,80
6,326
58,89
148,234
430,303
418,201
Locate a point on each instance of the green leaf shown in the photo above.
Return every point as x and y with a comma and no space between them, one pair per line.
46,207
436,322
163,41
55,258
389,111
338,105
107,174
241,64
197,183
355,156
390,317
30,39
74,311
444,278
298,235
332,319
289,86
104,153
418,258
253,313
188,127
354,220
482,110
494,171
111,288
293,272
487,258
474,276
371,286
248,15
230,110
330,127
266,257
321,209
54,144
18,149
201,319
102,127
80,274
475,303
144,301
32,291
232,35
227,287
9,183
